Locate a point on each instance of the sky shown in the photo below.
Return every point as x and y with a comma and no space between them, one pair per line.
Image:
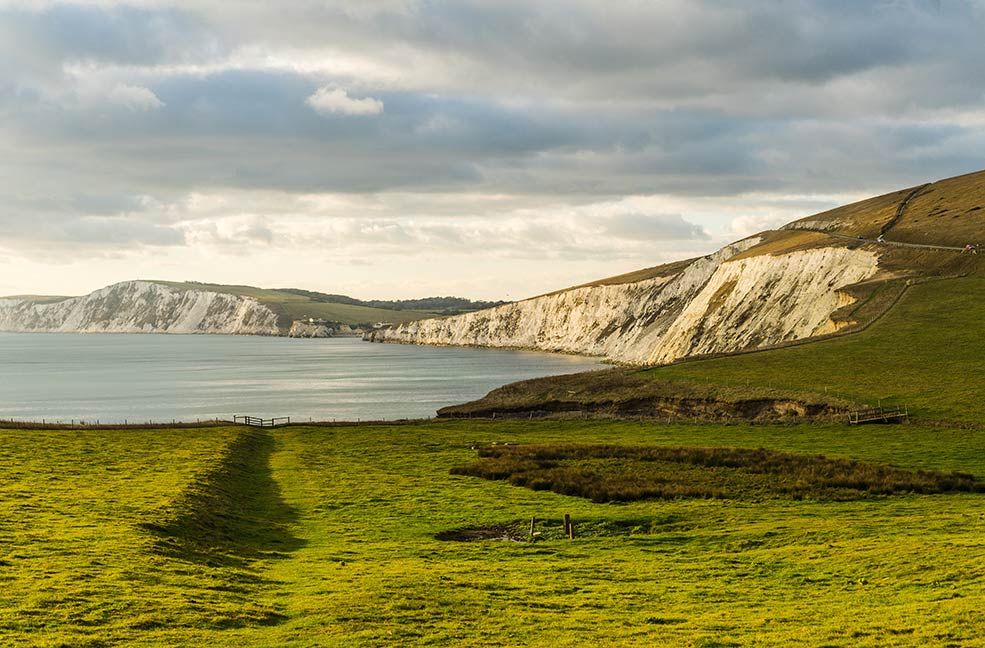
491,149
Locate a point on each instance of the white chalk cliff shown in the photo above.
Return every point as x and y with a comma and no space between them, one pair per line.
141,307
306,329
725,302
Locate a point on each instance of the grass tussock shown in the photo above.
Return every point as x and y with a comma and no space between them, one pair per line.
609,473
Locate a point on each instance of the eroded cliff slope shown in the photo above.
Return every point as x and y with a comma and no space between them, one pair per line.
757,292
141,307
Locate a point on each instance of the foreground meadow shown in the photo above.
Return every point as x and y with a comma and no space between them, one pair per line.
311,536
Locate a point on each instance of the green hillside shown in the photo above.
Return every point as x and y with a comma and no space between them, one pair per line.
948,212
926,352
290,307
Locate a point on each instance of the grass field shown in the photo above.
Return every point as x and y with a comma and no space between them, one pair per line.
307,536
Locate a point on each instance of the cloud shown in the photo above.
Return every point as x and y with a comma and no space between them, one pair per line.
518,129
653,227
329,101
134,97
749,224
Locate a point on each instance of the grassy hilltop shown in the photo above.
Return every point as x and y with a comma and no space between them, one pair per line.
699,521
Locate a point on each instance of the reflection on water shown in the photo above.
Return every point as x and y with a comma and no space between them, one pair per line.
187,377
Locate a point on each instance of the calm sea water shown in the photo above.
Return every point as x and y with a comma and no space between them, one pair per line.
139,378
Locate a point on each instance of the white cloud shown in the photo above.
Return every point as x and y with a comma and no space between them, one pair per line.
749,224
327,100
134,97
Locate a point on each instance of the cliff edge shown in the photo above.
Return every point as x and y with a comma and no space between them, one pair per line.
758,291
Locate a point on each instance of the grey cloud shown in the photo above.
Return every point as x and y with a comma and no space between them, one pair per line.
61,34
677,50
118,231
87,234
653,227
539,101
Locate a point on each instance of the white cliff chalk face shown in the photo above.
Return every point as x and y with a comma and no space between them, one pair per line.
141,307
764,300
713,305
305,329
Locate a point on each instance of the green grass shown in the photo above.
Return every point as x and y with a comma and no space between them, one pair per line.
926,352
307,536
78,567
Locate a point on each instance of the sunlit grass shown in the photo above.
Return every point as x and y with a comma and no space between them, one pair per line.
330,536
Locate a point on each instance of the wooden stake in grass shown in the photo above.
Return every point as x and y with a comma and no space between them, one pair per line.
571,530
567,523
533,524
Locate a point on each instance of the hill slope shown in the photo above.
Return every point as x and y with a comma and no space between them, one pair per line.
812,278
926,353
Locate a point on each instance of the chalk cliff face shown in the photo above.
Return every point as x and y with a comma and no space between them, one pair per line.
305,329
724,302
141,307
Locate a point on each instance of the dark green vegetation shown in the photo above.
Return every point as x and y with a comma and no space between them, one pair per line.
628,392
344,536
296,305
608,473
293,304
441,305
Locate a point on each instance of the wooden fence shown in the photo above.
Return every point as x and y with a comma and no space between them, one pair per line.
890,414
256,421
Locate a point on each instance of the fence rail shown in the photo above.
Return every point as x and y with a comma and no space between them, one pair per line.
894,414
256,421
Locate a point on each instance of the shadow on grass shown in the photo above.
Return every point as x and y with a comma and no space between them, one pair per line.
232,515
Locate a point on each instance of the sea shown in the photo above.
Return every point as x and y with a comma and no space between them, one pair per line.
140,378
